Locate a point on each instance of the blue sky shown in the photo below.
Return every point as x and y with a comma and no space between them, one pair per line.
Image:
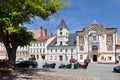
80,14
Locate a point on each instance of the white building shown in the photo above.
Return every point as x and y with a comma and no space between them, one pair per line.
22,52
63,47
3,53
38,47
97,43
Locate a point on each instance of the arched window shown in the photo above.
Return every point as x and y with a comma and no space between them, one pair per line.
81,48
109,48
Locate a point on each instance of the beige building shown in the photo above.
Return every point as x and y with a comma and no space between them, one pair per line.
39,32
98,43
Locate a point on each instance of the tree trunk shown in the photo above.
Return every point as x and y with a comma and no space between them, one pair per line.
12,57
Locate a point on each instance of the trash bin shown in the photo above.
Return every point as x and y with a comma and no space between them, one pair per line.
75,65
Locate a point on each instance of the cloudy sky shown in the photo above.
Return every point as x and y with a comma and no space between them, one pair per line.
80,14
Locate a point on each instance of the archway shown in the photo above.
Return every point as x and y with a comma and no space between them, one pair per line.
61,57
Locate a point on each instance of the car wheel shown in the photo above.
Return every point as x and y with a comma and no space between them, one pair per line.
30,66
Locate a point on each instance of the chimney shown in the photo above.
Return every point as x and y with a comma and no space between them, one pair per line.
41,33
45,32
51,34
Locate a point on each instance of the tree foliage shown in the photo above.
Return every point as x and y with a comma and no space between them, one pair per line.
14,13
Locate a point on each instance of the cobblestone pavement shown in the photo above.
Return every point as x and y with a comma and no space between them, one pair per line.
94,70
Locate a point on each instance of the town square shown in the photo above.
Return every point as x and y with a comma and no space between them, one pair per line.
59,40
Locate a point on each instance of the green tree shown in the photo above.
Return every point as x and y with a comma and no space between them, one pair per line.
14,13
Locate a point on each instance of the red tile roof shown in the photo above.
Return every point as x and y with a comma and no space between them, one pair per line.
44,38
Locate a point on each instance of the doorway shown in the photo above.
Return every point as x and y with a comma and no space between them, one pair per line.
61,58
94,58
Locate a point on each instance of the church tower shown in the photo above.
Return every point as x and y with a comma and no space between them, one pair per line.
62,34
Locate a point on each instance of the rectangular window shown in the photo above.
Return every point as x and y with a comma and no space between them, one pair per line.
50,57
109,58
95,48
71,50
55,57
81,57
109,38
81,48
40,51
43,44
94,38
39,44
66,50
51,50
55,50
43,50
102,58
37,50
119,58
60,50
66,57
60,42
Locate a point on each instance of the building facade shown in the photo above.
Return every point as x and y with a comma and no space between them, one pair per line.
118,49
38,47
63,47
98,43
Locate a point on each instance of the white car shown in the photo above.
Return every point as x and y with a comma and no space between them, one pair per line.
19,60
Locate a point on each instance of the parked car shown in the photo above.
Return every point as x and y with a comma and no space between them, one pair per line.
72,60
49,65
32,58
27,64
64,66
116,69
19,60
84,66
4,63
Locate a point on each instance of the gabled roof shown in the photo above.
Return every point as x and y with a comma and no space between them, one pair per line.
71,42
62,24
44,38
97,28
